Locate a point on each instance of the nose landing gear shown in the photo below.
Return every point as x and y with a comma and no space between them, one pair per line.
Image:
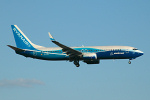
129,62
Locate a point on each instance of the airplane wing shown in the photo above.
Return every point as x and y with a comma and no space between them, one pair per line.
69,51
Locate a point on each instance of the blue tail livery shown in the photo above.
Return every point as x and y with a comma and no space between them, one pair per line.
87,54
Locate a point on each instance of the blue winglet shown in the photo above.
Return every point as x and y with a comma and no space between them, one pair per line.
51,37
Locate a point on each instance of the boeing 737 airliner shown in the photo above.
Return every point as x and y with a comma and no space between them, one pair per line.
88,54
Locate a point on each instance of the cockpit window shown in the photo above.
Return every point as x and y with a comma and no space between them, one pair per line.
135,49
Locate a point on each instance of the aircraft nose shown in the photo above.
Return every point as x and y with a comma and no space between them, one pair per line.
140,53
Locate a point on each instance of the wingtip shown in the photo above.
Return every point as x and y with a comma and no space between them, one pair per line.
51,37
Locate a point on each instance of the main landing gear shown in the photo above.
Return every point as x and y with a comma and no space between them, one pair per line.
76,62
129,62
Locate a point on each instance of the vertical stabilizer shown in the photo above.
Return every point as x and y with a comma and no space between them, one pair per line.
21,40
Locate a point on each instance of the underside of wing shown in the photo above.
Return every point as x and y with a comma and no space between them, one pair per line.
69,51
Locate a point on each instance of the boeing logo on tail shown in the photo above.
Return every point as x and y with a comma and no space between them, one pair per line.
88,54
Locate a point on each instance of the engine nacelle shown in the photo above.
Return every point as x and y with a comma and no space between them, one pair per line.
92,61
89,56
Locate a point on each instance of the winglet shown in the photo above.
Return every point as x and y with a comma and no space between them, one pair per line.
51,37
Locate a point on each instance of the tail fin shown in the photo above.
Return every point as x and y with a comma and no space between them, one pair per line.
21,40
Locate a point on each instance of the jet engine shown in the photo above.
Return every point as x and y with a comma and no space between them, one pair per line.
92,61
89,56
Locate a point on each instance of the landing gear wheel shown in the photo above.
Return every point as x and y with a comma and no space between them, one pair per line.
129,62
77,65
76,62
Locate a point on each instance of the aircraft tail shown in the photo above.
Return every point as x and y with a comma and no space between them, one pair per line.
21,39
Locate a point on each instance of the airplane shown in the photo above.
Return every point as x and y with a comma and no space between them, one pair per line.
87,54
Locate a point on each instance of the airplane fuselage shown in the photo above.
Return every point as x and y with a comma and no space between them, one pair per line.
87,54
102,52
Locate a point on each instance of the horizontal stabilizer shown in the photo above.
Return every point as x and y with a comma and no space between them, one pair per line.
15,48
